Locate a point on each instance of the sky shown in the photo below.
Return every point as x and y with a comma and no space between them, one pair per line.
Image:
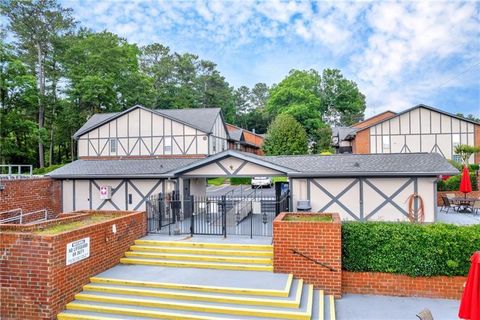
400,53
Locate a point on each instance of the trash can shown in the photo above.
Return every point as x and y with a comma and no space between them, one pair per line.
304,206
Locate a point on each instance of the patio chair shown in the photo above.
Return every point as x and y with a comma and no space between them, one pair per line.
447,205
425,314
476,206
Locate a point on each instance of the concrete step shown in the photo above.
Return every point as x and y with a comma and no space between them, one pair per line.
201,265
205,245
206,251
229,289
120,304
292,301
199,257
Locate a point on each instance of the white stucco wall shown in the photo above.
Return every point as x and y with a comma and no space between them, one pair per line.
76,193
303,189
141,133
421,130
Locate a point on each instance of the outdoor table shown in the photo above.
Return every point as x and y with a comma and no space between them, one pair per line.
465,203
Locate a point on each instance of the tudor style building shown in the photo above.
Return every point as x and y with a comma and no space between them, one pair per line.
418,129
244,140
126,158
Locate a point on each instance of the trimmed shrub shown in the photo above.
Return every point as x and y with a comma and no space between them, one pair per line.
453,183
238,181
410,249
46,170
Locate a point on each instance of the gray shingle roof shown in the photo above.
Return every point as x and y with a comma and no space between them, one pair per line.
344,132
340,165
95,120
406,164
236,135
202,119
127,168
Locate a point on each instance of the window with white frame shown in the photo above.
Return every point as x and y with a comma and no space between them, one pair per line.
386,142
214,144
113,145
167,145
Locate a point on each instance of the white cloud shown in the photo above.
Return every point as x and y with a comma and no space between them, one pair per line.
398,52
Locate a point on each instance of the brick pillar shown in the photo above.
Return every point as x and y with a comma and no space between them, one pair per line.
301,247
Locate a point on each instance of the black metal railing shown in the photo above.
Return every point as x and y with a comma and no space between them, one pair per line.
229,214
295,251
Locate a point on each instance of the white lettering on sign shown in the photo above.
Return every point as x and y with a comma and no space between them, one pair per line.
78,250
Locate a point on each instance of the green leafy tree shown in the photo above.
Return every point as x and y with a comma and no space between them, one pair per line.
37,25
299,96
342,103
466,151
259,95
103,72
19,133
285,136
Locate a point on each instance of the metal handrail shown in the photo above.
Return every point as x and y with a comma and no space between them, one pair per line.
295,251
10,172
22,216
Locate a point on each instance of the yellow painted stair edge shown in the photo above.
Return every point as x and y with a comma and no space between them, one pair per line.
281,314
332,308
170,256
188,264
261,247
213,251
137,312
72,316
321,305
295,303
233,290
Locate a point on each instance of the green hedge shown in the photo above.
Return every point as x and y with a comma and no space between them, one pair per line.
238,181
411,249
46,170
453,183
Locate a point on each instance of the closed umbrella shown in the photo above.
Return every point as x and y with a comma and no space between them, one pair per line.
470,304
465,184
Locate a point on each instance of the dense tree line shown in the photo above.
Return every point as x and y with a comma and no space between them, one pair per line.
54,74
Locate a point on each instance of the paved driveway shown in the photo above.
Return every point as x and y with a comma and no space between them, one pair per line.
239,191
369,307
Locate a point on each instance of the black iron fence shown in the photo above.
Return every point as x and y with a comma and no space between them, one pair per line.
249,215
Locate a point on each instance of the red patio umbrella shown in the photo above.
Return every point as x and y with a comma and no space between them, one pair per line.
470,304
465,184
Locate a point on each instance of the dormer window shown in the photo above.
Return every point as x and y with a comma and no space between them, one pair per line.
113,146
167,145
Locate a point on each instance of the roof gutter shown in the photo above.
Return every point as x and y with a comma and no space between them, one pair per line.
368,174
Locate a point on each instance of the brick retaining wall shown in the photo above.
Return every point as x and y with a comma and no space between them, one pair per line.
31,195
35,281
321,241
402,285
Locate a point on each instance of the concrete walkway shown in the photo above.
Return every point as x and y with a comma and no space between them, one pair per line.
458,218
370,307
210,239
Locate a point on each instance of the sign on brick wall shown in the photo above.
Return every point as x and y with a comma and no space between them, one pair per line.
78,250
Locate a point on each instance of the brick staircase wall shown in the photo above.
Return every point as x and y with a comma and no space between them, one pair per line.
35,281
31,195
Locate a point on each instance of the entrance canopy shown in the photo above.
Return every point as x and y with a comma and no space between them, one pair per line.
232,164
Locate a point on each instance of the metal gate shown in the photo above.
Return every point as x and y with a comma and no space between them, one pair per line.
247,215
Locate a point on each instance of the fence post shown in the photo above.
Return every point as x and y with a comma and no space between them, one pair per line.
192,217
251,218
224,216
